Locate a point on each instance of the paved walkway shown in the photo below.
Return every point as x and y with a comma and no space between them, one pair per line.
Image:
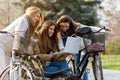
108,75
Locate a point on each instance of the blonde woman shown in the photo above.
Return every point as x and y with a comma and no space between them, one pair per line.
22,29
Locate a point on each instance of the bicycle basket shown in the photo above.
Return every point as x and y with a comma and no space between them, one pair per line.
100,38
96,47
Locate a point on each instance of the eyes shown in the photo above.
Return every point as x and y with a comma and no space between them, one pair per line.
51,29
37,16
64,25
67,27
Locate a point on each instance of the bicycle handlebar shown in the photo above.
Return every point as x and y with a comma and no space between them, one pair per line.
6,32
3,32
87,30
100,29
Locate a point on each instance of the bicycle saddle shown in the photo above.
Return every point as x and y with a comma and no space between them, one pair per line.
82,31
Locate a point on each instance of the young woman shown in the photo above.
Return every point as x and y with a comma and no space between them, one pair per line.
66,26
48,48
22,29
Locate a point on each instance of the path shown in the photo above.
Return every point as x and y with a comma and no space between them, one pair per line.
108,75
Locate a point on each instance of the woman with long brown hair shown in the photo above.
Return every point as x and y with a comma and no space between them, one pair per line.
48,47
66,26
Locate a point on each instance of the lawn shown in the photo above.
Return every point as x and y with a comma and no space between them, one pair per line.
111,62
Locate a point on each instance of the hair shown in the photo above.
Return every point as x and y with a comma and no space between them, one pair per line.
64,19
31,11
45,40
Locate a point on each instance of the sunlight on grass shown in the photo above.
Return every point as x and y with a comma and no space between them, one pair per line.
111,62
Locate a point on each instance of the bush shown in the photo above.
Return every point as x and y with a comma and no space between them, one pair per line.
113,47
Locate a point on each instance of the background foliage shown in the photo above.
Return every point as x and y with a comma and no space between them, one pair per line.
89,12
83,11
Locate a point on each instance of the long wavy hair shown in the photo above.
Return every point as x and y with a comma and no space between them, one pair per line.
31,12
44,39
64,19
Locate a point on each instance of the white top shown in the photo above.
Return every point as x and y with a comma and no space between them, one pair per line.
94,29
19,25
6,40
60,44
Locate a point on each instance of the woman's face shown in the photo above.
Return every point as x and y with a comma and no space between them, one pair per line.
64,26
51,30
36,18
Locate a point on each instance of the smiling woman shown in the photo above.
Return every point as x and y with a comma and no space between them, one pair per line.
51,30
49,51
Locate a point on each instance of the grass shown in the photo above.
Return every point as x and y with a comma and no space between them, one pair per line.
111,62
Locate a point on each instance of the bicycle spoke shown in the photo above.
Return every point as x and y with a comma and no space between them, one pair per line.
23,74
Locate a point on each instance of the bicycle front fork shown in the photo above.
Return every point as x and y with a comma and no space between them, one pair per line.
12,60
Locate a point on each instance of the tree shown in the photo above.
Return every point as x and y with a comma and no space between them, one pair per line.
83,11
7,12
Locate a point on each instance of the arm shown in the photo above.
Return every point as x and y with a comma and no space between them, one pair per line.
45,57
93,28
20,30
61,46
21,27
60,56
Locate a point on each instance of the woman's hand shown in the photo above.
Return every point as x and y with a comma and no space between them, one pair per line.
61,55
107,29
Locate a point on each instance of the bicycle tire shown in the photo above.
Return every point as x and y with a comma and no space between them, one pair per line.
26,74
97,68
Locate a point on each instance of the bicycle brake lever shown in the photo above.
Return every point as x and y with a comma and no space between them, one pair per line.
106,29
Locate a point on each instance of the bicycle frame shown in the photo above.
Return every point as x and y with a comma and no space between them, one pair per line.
80,68
83,63
15,66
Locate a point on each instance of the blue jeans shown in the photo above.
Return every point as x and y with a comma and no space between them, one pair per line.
56,66
77,61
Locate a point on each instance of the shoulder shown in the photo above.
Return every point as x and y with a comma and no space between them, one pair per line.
77,24
23,18
59,35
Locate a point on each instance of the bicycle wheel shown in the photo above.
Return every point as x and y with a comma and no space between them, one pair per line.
23,73
97,68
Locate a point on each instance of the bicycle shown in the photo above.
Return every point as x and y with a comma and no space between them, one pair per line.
94,57
18,68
